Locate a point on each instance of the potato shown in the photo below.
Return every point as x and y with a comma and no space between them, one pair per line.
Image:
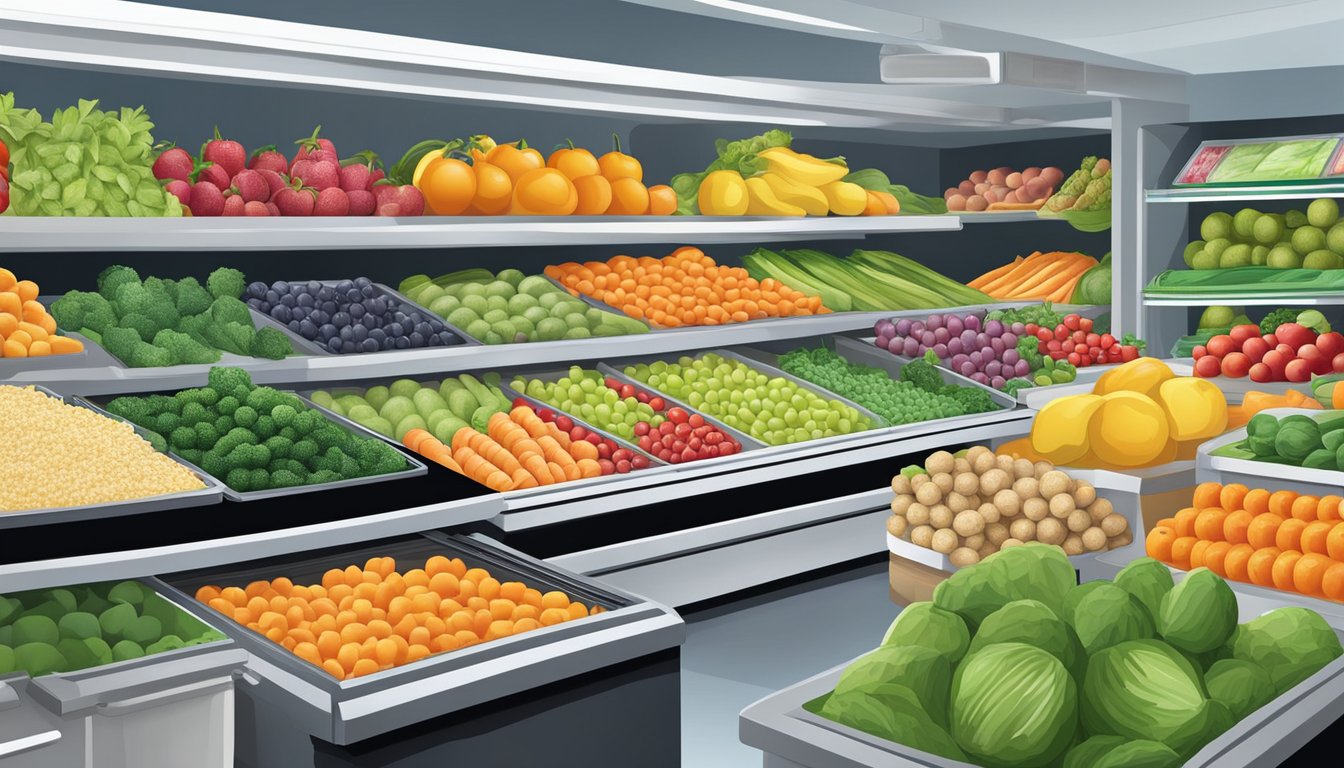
1014,180
1100,510
1114,525
966,483
1051,531
1011,542
917,514
1123,539
976,203
1083,495
1027,488
996,533
1006,463
1036,188
1030,173
917,481
1073,545
974,500
1061,506
1008,502
1042,467
944,541
1022,529
960,465
963,556
928,494
921,536
1094,539
968,523
974,541
940,516
978,177
897,526
994,481
1078,521
939,461
987,550
991,513
1035,510
967,187
991,195
1023,468
982,460
901,484
956,202
901,503
998,176
981,187
944,482
957,503
1052,175
1054,483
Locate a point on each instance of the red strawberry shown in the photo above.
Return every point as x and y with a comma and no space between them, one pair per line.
389,209
213,174
332,201
271,208
206,199
274,181
226,153
268,158
410,200
180,188
318,174
376,177
255,208
251,186
233,205
174,163
357,171
313,148
362,202
295,201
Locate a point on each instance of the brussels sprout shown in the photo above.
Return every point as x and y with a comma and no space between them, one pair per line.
1032,623
1033,571
1291,644
1241,685
905,724
1144,689
1198,614
1108,615
927,625
7,661
1013,705
79,625
35,629
921,671
1148,580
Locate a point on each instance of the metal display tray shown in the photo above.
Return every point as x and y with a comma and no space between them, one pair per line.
779,726
1266,474
415,467
212,493
877,421
11,366
343,712
312,348
1237,388
538,404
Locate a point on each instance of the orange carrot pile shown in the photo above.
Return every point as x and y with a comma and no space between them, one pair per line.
1255,402
26,330
1044,276
519,450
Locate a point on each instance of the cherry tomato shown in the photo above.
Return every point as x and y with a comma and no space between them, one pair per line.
623,466
1241,333
608,467
642,397
1044,334
1128,353
678,416
1261,373
1107,341
1079,337
639,461
1061,333
1085,324
1199,351
1072,322
1277,361
1208,366
1219,346
1330,344
1075,359
564,423
641,428
657,404
1297,370
1236,365
1255,348
1338,363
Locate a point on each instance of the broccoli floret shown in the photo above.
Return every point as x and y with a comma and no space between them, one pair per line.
206,435
245,416
144,327
970,399
149,356
270,344
265,427
289,433
192,455
283,415
259,479
323,476
184,349
303,450
1029,349
213,463
230,337
164,404
163,313
377,458
249,456
227,405
80,309
307,422
239,479
1273,320
195,324
167,422
290,465
279,446
121,342
132,297
203,395
330,436
133,409
923,375
223,425
228,309
264,399
285,479
156,441
224,380
232,439
226,281
112,278
193,414
182,437
192,298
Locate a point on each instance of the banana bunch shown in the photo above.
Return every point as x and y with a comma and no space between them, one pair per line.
792,184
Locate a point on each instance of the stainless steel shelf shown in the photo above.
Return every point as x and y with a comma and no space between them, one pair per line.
1242,300
1229,194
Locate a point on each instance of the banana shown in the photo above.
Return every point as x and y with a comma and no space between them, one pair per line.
762,201
845,199
810,199
801,168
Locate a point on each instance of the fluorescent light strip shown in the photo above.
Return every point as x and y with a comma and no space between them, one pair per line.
774,13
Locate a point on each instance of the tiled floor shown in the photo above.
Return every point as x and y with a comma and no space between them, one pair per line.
740,652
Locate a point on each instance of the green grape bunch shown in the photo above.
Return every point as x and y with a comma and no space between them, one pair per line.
84,162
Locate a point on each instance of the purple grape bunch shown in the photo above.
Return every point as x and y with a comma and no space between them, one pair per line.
979,349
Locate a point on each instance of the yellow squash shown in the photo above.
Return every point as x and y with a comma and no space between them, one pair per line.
723,193
762,201
810,199
844,198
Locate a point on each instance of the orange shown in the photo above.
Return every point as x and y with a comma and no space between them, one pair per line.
594,193
1289,536
525,625
1237,561
488,588
334,668
1185,521
1260,568
1334,542
448,186
577,610
1328,509
501,609
1166,522
1207,495
552,616
1256,501
1281,503
1332,583
1157,544
662,200
544,192
1214,555
512,590
1315,537
1309,572
629,197
574,162
364,667
1197,553
1283,569
555,600
1263,530
1209,523
309,653
1231,496
1236,525
1304,508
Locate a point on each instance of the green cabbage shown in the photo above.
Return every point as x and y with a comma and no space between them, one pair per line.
1291,644
1013,705
926,625
1033,571
1094,287
1108,615
1241,685
904,723
1144,689
1148,580
1032,623
921,671
1199,614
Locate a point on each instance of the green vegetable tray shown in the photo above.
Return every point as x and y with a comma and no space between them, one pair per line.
781,726
1224,460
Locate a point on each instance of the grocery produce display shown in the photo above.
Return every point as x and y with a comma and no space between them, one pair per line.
512,308
684,288
256,438
1084,199
667,432
1277,539
348,316
441,408
83,626
60,167
1138,414
865,281
974,503
774,410
1310,440
1291,352
362,620
97,459
919,394
158,322
26,329
1292,158
518,450
1015,664
1292,240
1052,277
1004,189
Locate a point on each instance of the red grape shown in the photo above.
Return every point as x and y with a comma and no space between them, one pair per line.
577,433
519,402
657,404
608,468
642,428
623,466
564,423
595,438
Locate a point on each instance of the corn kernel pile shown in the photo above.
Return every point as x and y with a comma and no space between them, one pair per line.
58,455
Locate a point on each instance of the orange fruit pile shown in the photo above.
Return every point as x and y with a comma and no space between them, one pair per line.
1278,539
684,288
26,330
364,620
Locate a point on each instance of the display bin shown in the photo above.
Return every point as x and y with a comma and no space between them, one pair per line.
619,667
1269,475
1236,388
165,710
792,737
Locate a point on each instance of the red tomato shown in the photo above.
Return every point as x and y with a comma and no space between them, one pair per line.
1074,359
642,397
1222,344
1241,333
1128,353
1236,365
1319,363
1044,334
1093,340
1208,366
698,423
1072,322
608,468
1079,337
1107,341
1276,361
1056,355
1295,335
639,461
1255,348
1200,351
1067,346
1061,332
1085,324
1330,344
578,433
1116,353
1271,340
678,416
1338,363
1297,370
1052,345
657,404
1032,328
641,428
1289,351
611,383
1261,373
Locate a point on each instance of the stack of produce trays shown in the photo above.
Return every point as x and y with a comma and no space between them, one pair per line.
261,442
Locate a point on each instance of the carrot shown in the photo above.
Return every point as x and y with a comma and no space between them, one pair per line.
536,466
1065,277
1065,264
1023,270
582,449
528,419
551,449
523,479
994,274
559,435
1047,265
462,438
495,453
498,480
414,437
